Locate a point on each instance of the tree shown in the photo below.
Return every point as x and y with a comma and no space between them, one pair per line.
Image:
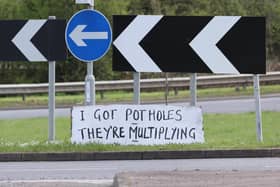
268,8
74,70
69,70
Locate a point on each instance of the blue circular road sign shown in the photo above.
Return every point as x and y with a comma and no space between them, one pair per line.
88,35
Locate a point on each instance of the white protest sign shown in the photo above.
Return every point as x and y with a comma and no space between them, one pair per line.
137,124
90,2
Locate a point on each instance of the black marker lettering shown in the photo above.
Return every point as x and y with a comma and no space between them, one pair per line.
115,132
133,130
185,133
151,131
97,114
159,115
106,115
122,132
140,132
136,115
82,132
128,112
152,115
170,114
166,135
179,115
145,134
161,131
82,115
90,133
173,132
107,131
192,133
113,113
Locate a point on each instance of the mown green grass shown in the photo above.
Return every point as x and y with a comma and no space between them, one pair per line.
222,131
122,96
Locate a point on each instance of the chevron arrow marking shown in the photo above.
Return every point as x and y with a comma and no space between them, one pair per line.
22,40
128,43
205,44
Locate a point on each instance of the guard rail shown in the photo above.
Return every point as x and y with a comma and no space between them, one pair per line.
146,84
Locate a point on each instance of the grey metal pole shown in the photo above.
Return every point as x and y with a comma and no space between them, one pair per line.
90,79
166,88
136,88
90,85
258,108
51,101
193,88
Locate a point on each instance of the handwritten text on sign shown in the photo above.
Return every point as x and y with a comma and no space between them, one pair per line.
137,124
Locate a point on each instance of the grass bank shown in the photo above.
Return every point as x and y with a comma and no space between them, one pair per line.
121,96
222,131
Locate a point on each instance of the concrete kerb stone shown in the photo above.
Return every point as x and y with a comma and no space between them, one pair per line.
239,153
71,156
275,152
119,156
145,155
8,157
149,155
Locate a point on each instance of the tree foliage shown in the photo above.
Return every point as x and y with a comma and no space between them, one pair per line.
73,70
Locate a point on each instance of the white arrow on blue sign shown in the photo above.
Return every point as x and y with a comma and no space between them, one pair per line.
88,35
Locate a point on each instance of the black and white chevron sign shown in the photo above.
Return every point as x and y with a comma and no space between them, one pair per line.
219,44
32,40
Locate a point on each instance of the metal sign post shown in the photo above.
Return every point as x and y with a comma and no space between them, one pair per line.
90,79
90,2
90,85
136,88
51,96
36,40
166,89
193,88
258,108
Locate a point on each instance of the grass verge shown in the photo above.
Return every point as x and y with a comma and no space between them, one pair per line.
122,96
222,131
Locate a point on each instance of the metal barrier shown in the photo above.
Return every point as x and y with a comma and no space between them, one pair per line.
146,84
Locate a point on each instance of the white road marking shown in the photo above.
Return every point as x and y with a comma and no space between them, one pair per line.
101,181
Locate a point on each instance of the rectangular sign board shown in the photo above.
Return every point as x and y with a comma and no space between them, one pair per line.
89,2
137,124
34,40
193,44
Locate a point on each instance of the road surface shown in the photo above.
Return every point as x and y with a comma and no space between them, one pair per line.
93,170
217,106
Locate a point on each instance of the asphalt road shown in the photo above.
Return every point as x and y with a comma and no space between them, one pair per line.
105,170
214,106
